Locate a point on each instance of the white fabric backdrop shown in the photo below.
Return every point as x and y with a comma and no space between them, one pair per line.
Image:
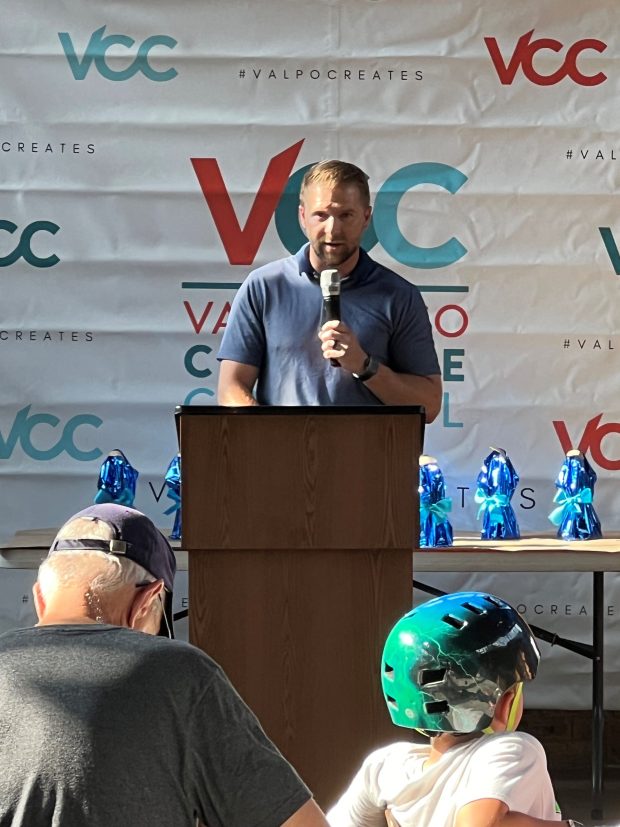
106,333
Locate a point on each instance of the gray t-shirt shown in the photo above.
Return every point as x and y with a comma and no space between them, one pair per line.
106,727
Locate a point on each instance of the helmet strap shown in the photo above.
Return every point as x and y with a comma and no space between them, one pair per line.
511,724
427,733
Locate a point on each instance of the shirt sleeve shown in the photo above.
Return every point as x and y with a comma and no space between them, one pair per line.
240,777
244,336
412,349
511,768
361,804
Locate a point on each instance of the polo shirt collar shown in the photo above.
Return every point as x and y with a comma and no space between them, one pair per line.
358,273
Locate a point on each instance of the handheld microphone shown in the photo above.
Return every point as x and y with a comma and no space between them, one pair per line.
330,289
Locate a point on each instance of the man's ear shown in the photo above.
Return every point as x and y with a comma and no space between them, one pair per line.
142,603
301,217
39,600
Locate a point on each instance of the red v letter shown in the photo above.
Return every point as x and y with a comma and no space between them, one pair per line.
197,324
561,430
241,245
585,443
507,71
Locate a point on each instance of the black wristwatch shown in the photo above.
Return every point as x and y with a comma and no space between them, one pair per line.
371,366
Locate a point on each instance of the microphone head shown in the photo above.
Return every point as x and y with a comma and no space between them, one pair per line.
330,283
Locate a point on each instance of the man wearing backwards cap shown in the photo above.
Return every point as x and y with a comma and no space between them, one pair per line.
104,723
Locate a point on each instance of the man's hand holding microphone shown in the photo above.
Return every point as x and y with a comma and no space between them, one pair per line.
338,342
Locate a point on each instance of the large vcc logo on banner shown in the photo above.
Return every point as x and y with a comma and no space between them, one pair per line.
526,49
98,46
24,245
278,196
25,423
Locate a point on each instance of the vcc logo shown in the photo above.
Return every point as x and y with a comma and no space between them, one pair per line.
96,50
25,423
24,245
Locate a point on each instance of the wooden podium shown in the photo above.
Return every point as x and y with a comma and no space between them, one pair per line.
300,524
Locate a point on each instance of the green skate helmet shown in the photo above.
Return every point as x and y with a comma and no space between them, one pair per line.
447,663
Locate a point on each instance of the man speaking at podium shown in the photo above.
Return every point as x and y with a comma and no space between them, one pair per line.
278,348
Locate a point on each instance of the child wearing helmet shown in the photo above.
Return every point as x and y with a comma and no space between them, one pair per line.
453,669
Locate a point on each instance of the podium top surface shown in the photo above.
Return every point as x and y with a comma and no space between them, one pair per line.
182,411
299,410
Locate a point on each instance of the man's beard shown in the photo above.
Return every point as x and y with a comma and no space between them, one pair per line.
332,257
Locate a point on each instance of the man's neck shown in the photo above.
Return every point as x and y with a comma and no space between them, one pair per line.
66,620
345,269
72,609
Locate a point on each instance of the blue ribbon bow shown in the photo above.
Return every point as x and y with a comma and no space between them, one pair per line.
569,504
439,509
493,504
176,505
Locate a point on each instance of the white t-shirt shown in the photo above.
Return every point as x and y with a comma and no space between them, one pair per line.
508,766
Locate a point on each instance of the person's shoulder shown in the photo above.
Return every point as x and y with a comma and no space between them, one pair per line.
169,654
390,278
274,269
25,630
172,648
397,753
12,636
517,743
519,738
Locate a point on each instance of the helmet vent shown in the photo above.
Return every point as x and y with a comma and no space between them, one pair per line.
456,622
434,707
388,671
430,676
472,608
391,702
493,600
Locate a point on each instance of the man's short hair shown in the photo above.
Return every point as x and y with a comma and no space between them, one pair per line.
338,174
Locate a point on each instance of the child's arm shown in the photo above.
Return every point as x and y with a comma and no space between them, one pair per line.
490,812
360,805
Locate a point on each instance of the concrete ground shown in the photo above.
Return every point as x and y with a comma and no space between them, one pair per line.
573,792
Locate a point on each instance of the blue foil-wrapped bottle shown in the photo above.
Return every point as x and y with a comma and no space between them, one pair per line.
173,481
496,484
435,528
575,516
117,480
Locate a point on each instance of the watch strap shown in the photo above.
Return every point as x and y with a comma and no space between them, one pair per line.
371,366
